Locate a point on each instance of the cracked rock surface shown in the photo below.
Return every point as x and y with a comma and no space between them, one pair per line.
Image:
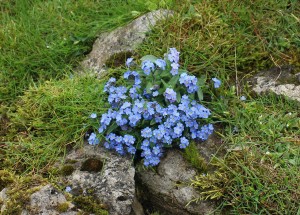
167,189
104,175
280,81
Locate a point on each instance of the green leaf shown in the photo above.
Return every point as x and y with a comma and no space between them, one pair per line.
178,97
173,81
200,94
152,122
148,87
192,96
165,84
165,74
201,81
152,58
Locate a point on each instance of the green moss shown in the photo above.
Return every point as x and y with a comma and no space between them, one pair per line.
118,59
6,178
19,192
66,170
70,161
192,154
90,205
92,165
63,207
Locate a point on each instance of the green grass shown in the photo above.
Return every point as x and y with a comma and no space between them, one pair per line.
44,40
242,36
260,173
50,118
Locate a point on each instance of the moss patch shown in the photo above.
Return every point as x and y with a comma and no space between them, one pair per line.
6,178
66,170
90,205
118,59
192,154
63,207
19,192
92,165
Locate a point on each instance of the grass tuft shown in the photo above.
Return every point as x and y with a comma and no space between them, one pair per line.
50,118
45,40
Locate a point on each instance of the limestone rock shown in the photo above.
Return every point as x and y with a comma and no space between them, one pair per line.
3,198
105,175
280,81
47,200
123,39
167,190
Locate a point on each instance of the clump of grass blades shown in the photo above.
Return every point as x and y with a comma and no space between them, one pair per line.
43,40
260,173
48,118
230,35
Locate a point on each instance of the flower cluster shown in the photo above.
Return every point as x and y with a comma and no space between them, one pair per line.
154,111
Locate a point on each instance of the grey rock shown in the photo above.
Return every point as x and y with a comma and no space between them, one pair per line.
280,81
168,190
3,198
105,175
46,200
123,39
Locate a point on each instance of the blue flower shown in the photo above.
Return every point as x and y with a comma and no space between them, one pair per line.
131,150
147,66
178,129
146,132
68,189
134,119
183,142
161,63
170,95
155,93
145,144
138,106
217,82
133,93
189,81
117,94
243,98
105,119
175,67
205,131
146,95
129,61
128,139
109,83
93,116
93,140
127,74
173,55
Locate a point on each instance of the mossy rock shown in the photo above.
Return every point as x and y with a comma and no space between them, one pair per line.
90,204
66,170
118,59
19,191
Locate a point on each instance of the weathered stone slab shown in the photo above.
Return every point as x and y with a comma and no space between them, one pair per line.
107,176
168,190
280,81
123,39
